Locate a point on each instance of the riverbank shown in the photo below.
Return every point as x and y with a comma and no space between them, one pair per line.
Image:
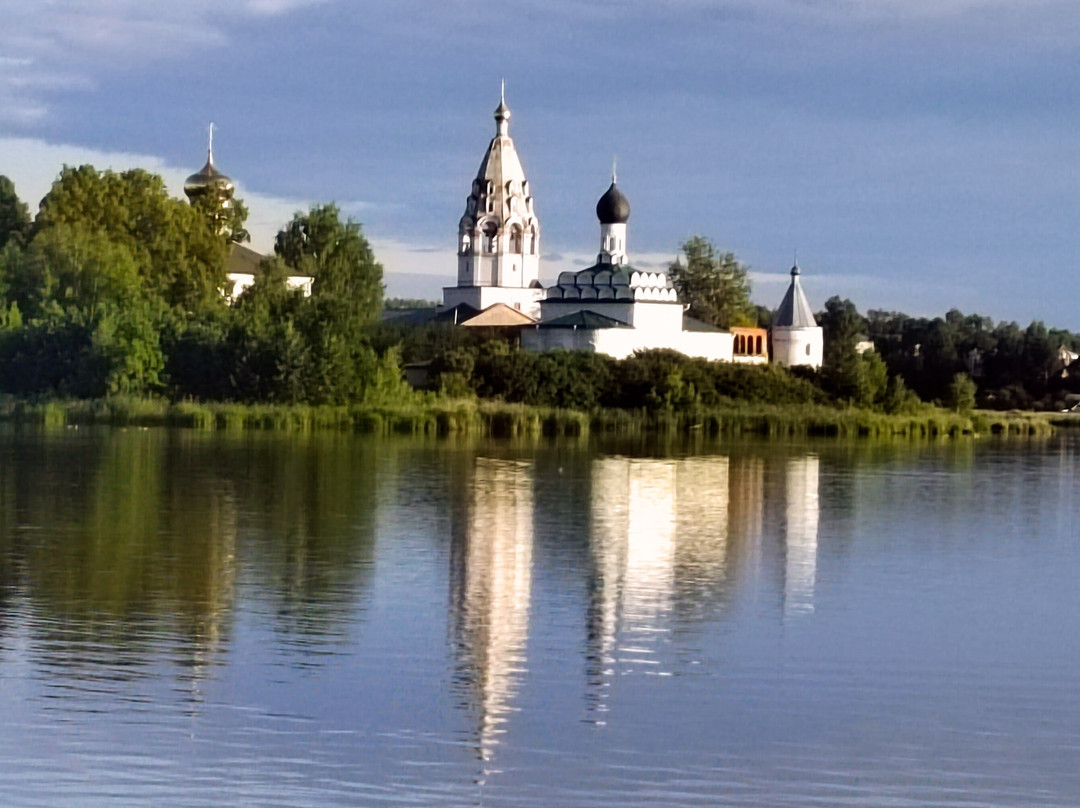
498,419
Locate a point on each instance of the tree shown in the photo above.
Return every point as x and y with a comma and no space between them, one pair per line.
227,221
90,327
713,284
337,255
14,215
180,257
346,297
842,369
961,394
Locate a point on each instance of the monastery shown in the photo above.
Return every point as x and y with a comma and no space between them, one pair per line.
610,307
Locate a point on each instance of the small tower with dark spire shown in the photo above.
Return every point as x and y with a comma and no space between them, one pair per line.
613,211
210,184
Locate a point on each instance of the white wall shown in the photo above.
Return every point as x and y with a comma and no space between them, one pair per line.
526,301
622,342
798,346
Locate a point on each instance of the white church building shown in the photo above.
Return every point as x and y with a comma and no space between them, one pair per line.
610,307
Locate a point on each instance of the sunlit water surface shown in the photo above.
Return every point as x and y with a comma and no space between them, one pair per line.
267,620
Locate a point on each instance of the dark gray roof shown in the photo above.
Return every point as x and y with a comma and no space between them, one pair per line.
598,282
456,314
690,324
584,319
243,259
794,311
409,316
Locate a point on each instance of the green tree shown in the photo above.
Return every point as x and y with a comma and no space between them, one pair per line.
87,318
14,215
842,368
961,393
227,221
340,259
713,284
346,298
179,256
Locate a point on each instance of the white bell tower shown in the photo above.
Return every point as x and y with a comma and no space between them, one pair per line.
499,235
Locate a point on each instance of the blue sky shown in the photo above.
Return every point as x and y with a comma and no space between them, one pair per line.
917,154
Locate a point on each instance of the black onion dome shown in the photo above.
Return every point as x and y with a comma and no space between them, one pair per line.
613,207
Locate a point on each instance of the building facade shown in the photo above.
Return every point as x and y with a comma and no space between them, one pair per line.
614,309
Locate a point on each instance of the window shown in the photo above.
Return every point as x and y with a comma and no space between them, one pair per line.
758,343
808,349
488,242
515,239
466,243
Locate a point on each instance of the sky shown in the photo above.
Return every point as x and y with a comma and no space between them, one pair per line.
916,155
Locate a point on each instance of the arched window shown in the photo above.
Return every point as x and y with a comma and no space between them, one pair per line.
758,343
515,239
466,242
488,242
808,349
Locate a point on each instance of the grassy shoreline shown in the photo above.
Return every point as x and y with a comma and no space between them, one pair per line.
441,417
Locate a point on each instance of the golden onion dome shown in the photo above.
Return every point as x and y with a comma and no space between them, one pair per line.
207,179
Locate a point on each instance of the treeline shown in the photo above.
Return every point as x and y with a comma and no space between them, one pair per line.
943,359
116,288
651,380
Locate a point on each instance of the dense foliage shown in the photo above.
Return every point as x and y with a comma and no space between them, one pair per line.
115,288
1004,366
653,380
713,284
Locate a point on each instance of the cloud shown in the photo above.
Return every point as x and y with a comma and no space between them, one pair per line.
33,165
62,45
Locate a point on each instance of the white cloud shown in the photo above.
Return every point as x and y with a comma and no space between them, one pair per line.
61,45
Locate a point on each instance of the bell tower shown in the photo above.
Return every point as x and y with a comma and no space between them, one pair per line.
499,234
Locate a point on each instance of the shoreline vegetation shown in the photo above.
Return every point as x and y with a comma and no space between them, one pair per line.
113,311
443,417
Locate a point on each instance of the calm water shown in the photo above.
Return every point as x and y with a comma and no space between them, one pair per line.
200,620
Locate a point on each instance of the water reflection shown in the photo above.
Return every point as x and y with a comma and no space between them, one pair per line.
800,535
491,564
671,539
127,546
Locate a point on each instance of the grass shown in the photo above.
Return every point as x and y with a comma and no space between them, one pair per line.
501,420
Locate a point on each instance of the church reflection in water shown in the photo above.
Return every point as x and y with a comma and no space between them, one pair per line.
669,542
491,584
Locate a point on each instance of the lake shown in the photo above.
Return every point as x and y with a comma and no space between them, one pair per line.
208,619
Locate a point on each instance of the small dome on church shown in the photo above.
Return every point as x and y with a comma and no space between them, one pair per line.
207,179
613,207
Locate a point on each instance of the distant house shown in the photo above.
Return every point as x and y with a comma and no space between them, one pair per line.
242,267
242,264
